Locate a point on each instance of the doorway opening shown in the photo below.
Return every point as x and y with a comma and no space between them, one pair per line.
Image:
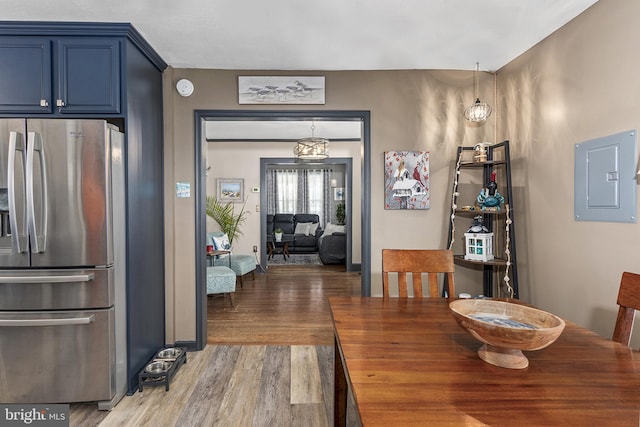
341,167
201,117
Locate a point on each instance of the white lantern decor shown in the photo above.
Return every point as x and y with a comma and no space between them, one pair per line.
479,246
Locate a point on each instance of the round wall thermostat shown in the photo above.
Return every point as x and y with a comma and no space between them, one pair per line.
184,87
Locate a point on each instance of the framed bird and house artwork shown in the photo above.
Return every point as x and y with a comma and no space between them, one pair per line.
406,180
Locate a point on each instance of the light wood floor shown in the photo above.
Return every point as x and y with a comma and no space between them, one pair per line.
269,360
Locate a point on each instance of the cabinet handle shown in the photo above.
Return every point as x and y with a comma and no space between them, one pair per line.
59,103
44,103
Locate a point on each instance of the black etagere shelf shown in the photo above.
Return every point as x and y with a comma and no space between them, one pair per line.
497,159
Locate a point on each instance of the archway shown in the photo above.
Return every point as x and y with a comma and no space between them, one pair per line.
201,116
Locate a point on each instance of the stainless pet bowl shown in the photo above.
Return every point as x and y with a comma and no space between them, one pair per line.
158,367
169,353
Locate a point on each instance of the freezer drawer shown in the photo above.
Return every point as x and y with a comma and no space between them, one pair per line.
57,357
56,289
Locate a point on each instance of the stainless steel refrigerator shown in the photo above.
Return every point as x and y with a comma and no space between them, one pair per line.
62,262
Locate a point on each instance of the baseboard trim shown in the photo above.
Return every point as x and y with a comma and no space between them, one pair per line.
190,345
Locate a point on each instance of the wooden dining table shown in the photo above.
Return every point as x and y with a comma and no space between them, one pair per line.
408,363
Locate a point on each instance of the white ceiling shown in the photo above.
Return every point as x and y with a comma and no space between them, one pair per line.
322,35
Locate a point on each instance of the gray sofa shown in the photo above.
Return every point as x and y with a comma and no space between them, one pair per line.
299,243
333,248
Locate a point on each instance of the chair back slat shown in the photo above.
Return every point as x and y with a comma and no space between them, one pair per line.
415,262
402,284
385,283
629,302
417,284
433,284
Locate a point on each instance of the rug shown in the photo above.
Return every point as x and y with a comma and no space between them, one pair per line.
295,259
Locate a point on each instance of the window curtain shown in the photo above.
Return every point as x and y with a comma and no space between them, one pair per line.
272,191
300,191
302,203
327,199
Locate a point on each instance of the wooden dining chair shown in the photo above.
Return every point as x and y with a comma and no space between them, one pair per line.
417,261
629,302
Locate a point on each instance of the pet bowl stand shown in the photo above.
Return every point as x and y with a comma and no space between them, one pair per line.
164,377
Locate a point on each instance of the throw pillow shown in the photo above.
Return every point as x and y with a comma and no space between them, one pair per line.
302,228
333,228
221,243
312,228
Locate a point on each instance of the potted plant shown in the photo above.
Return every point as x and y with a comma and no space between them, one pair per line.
278,234
224,214
340,213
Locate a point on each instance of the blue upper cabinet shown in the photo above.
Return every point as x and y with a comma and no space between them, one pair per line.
88,76
25,75
60,75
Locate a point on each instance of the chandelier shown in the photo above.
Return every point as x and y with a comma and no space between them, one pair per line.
478,112
312,148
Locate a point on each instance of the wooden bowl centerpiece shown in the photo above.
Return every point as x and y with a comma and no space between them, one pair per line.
505,329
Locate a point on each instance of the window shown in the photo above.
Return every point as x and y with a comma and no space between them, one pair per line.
286,190
315,192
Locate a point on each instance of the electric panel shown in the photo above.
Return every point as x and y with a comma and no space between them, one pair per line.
605,181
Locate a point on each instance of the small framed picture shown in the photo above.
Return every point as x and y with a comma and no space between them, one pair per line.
231,189
338,193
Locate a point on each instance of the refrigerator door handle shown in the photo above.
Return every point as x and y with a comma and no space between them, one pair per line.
48,322
38,238
75,278
18,240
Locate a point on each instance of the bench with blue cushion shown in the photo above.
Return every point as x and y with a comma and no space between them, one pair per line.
221,280
240,264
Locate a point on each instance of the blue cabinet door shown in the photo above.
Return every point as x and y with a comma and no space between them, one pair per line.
25,75
66,75
88,75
